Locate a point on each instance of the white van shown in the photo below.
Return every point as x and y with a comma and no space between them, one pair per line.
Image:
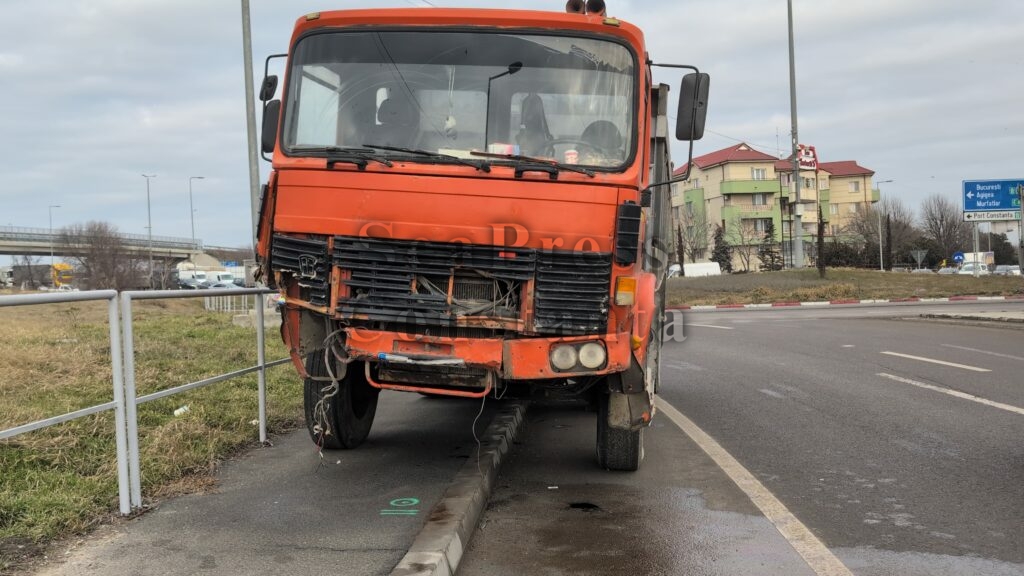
696,269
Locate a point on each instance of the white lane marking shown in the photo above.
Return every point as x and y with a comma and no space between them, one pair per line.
848,345
708,326
934,361
956,393
997,354
771,393
811,549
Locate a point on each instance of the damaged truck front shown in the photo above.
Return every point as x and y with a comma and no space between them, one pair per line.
471,203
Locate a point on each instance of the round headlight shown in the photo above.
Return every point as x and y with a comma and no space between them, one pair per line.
563,357
592,355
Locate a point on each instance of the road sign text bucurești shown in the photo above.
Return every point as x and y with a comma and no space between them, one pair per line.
992,199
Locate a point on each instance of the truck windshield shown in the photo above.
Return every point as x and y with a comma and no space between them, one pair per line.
570,99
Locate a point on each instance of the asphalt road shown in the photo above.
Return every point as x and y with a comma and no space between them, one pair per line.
846,416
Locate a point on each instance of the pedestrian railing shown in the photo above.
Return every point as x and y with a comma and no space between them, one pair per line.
124,400
232,303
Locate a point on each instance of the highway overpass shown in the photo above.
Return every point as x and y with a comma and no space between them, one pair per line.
18,241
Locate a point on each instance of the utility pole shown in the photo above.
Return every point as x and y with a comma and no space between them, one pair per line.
192,210
149,228
797,235
878,210
50,209
250,118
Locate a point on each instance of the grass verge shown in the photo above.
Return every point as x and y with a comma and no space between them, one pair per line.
62,480
839,284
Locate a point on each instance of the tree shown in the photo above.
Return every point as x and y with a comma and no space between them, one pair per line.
722,251
680,250
820,249
864,228
693,234
768,253
888,244
942,222
1002,250
100,256
743,237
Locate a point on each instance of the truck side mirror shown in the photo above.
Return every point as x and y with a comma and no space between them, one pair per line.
268,88
693,106
271,115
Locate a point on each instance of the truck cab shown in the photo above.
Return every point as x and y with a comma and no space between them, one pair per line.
461,204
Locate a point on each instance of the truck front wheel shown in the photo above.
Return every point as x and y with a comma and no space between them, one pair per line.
338,419
617,449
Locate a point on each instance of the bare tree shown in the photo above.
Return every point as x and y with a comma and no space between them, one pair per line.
100,256
745,240
695,234
942,222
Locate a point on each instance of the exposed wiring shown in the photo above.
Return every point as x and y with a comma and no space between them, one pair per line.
483,402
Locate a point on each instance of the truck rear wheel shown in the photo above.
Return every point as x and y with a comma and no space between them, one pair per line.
617,449
341,420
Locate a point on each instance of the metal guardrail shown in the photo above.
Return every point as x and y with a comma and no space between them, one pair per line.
118,403
122,357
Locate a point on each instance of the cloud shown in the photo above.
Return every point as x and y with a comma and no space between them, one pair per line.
925,92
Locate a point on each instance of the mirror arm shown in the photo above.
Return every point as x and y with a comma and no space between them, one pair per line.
645,194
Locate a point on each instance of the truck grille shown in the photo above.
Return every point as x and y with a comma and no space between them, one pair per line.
571,292
406,283
306,259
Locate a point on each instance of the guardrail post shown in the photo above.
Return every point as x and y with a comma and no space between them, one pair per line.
261,360
131,413
120,431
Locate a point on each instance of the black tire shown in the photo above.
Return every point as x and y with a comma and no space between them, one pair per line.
617,449
349,413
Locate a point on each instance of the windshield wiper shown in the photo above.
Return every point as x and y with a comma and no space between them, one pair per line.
481,165
348,155
550,166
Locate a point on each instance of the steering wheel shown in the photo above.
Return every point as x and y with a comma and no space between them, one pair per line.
602,151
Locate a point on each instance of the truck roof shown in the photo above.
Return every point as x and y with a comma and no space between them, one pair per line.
471,17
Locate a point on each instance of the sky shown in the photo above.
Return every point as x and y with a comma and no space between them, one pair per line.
95,93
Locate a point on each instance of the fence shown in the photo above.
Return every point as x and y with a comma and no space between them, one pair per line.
122,358
234,303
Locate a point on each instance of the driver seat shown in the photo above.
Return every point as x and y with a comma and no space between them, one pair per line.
603,135
534,133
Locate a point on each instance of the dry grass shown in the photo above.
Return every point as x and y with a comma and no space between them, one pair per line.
56,358
839,284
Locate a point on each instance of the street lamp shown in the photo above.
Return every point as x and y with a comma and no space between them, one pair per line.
149,220
797,237
50,210
191,209
881,260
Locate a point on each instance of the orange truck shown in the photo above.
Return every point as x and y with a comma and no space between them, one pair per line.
472,203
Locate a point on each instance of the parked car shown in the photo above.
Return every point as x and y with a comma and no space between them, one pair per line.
220,285
947,270
970,267
191,284
1006,270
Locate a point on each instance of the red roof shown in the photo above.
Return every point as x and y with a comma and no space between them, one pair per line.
738,153
845,168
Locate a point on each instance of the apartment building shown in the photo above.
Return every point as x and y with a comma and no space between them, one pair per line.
743,190
850,192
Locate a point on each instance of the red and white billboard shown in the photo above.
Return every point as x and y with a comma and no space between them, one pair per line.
807,157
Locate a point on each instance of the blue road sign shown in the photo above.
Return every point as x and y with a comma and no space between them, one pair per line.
958,257
992,200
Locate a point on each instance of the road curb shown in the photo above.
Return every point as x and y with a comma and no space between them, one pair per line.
437,549
913,299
